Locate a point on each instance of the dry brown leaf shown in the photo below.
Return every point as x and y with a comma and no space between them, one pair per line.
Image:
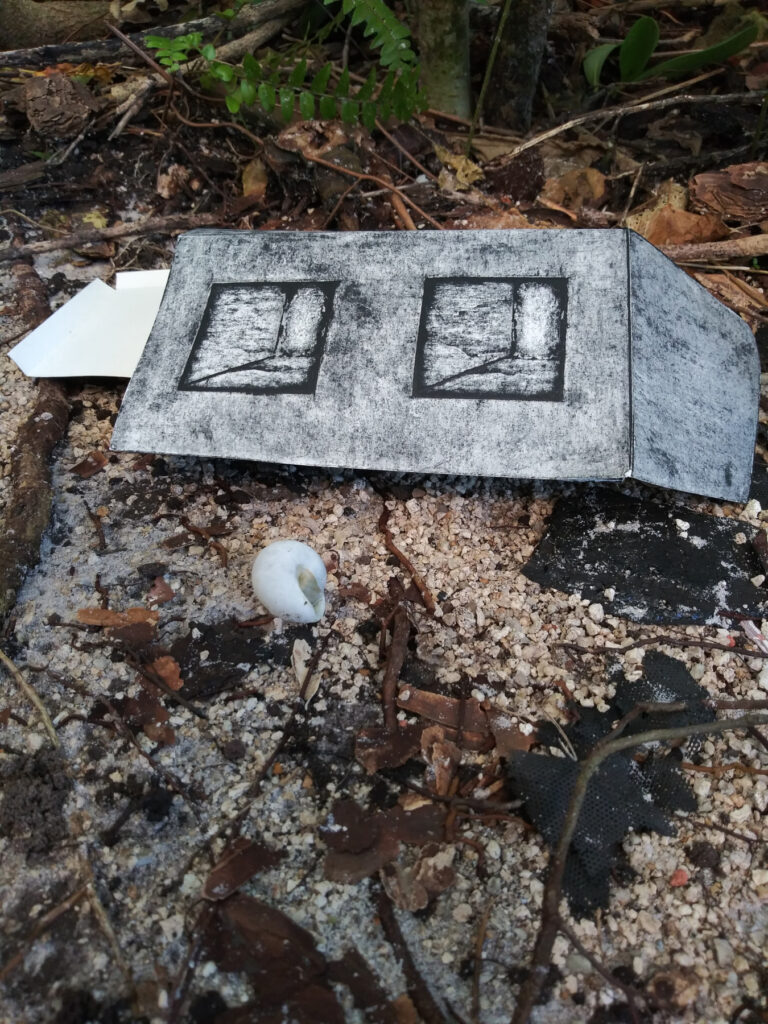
507,735
375,748
669,193
585,186
466,719
491,219
173,181
255,179
160,592
678,227
91,464
168,669
107,617
412,887
239,862
740,192
442,758
465,171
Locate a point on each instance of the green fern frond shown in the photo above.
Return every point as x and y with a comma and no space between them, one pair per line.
387,33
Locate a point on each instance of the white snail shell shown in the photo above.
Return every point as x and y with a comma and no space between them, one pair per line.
289,580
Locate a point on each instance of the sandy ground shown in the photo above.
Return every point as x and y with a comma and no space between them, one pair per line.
697,946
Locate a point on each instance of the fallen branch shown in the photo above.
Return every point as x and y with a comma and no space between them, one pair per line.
637,107
29,495
152,225
550,915
751,245
94,50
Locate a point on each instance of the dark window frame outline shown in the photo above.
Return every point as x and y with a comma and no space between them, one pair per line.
328,288
420,390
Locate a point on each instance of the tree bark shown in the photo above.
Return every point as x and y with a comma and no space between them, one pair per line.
515,74
30,496
444,51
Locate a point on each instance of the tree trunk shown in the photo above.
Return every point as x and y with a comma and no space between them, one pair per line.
444,52
515,73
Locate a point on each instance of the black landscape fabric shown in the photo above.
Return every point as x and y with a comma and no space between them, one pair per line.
665,564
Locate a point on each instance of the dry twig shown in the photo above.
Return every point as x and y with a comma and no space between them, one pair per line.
417,988
612,744
31,696
407,564
381,182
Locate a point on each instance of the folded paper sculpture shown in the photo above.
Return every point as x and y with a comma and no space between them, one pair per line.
582,355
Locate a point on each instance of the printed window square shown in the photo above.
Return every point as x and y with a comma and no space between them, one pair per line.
491,338
261,338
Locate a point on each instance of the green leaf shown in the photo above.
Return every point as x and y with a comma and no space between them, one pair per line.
366,90
637,48
349,111
209,51
307,105
251,66
594,61
267,97
320,82
224,72
368,115
297,76
248,92
327,108
342,89
712,55
385,31
286,103
233,101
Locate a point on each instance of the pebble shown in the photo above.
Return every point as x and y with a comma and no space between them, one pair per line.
596,612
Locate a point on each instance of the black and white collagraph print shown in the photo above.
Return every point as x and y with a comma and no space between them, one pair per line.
261,338
491,338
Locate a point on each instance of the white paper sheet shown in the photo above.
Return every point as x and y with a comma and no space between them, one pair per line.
101,332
